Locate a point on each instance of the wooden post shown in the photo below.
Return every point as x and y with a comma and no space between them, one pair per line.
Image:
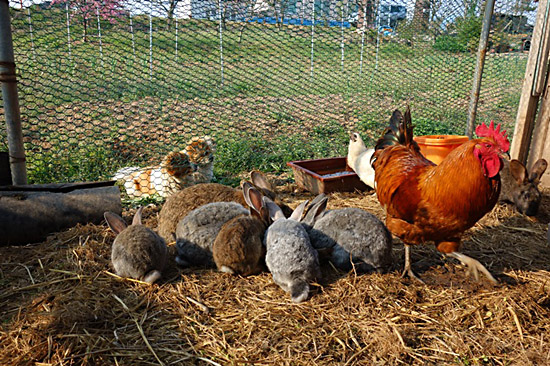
30,213
480,63
540,146
535,75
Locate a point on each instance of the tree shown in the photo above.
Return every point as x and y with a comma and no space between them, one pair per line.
88,9
167,6
279,8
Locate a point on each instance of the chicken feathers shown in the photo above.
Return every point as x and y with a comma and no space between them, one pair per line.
428,202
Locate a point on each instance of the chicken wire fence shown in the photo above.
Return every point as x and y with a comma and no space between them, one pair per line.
112,84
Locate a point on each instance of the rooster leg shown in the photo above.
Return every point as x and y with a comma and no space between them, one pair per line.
474,267
407,271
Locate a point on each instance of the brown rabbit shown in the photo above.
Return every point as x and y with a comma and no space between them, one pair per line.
238,248
521,188
181,203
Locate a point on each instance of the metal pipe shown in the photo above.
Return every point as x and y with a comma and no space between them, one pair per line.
481,53
312,34
221,14
11,99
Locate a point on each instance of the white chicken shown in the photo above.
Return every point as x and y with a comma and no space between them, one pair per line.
359,159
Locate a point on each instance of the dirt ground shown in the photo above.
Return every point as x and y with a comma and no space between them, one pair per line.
61,304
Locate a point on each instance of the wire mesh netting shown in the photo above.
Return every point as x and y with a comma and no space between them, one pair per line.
109,88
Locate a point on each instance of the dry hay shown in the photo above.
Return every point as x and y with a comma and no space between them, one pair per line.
61,305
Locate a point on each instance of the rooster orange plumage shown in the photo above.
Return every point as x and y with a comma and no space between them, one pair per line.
428,202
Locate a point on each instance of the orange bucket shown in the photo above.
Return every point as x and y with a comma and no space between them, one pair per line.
437,147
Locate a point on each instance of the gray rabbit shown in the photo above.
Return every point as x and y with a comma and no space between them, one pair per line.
138,252
521,188
196,232
289,255
354,235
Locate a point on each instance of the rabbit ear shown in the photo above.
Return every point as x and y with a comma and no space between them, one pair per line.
252,197
275,211
137,216
260,181
115,222
298,211
537,171
518,171
264,214
317,207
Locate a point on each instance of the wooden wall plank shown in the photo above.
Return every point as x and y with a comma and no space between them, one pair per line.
528,103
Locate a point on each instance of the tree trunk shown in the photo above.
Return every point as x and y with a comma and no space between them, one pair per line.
421,15
171,11
366,13
85,31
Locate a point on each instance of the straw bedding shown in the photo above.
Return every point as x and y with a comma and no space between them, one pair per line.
61,304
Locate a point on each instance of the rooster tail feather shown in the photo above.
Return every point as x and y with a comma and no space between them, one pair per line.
400,130
407,121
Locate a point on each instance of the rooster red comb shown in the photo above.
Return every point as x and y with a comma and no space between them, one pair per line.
500,137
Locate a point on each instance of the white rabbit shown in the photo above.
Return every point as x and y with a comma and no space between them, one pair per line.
289,255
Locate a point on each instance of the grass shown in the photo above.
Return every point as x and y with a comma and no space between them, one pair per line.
270,94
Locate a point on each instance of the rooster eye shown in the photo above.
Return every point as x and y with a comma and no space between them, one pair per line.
488,146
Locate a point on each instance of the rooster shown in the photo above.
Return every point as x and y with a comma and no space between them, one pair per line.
359,158
428,202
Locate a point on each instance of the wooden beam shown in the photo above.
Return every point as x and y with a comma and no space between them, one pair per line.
532,84
541,131
28,216
540,145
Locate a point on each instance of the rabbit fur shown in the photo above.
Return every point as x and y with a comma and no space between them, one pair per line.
289,255
137,251
196,232
355,236
238,248
520,187
181,203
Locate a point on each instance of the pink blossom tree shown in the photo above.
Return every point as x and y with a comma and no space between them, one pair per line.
86,10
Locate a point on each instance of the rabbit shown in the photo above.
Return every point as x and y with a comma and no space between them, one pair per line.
521,188
238,248
355,236
181,203
196,232
289,255
138,252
